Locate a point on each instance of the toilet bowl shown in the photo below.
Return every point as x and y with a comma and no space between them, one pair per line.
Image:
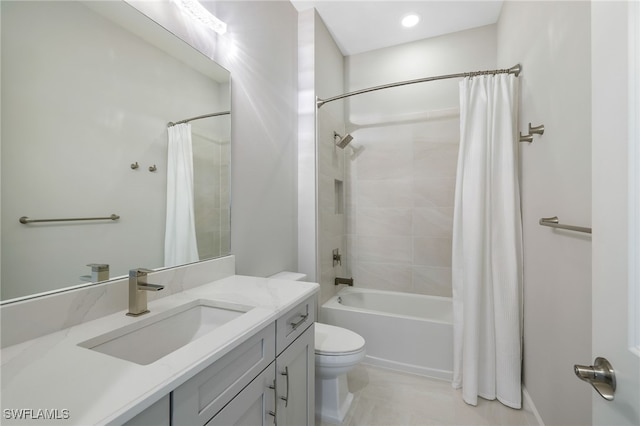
337,351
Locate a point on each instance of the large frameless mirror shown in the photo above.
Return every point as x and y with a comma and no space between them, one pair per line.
88,90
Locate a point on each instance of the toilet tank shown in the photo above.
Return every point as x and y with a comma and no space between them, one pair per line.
289,276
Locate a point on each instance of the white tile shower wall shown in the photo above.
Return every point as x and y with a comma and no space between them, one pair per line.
211,156
402,214
401,182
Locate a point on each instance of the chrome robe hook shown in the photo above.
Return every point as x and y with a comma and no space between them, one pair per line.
538,130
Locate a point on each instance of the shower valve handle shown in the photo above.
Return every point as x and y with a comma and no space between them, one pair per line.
337,257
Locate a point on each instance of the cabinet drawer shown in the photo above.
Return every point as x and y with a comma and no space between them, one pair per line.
294,322
200,398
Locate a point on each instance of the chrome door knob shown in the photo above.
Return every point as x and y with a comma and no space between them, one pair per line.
600,375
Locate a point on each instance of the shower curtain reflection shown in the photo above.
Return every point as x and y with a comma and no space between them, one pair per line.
180,233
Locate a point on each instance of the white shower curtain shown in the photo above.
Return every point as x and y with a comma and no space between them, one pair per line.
180,233
487,244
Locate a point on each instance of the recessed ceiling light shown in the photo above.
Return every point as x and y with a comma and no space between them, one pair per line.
410,20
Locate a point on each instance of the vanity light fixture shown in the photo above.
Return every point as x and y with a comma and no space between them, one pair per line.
410,20
198,12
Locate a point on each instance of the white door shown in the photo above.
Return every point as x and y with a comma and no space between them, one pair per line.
616,245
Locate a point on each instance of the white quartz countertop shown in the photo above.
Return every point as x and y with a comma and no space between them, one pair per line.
54,373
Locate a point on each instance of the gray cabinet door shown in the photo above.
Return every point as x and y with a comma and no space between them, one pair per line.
295,378
199,399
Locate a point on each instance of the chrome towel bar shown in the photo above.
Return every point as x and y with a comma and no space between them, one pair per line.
554,222
25,219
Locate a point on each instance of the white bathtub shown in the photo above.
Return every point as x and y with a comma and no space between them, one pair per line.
403,331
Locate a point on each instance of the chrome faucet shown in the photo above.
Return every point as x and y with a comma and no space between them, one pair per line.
138,286
347,281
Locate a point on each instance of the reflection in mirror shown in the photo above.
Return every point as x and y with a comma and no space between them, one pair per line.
85,106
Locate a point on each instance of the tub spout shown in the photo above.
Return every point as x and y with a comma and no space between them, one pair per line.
347,281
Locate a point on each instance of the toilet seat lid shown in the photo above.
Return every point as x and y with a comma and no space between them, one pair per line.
332,340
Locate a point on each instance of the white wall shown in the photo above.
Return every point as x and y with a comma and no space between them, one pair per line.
329,81
401,181
261,53
307,190
320,161
552,42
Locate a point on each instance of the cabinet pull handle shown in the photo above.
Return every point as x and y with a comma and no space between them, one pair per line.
295,325
275,403
286,398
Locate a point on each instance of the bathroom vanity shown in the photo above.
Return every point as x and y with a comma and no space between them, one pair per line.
274,369
255,366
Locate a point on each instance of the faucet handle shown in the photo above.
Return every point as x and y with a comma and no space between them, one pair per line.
98,266
139,272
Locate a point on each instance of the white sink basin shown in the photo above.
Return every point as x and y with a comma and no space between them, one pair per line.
152,338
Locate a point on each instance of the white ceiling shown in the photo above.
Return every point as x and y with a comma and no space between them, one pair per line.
362,25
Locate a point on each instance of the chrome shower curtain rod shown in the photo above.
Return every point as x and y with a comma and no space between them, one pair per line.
513,70
214,114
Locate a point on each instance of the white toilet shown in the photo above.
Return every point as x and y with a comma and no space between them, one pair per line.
337,350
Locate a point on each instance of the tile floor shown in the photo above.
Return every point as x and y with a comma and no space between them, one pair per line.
391,398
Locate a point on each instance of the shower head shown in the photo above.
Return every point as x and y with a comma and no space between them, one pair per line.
342,141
